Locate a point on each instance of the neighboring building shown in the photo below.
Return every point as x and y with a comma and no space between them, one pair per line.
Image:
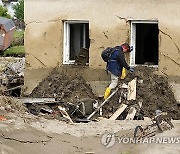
56,31
7,28
9,5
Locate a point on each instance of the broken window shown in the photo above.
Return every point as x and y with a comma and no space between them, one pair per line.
145,41
76,42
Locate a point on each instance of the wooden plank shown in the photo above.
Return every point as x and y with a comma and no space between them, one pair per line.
132,90
133,110
131,113
65,114
121,108
37,100
10,89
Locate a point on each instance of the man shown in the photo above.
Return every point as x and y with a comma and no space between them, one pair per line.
115,66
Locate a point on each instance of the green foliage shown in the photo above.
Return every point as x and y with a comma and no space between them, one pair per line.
18,33
19,10
16,51
4,12
18,38
16,48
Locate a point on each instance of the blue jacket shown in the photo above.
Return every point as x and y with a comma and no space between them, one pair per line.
117,62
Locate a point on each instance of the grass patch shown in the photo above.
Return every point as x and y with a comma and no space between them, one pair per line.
18,33
18,38
17,51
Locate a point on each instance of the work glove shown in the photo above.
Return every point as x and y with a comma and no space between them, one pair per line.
131,48
131,70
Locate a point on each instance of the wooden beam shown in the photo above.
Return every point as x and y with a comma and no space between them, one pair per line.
37,100
121,108
132,90
131,113
133,110
65,114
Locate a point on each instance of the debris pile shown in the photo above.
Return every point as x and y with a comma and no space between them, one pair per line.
12,76
160,123
63,88
152,93
10,104
152,90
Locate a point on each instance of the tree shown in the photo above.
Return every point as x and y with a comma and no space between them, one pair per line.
4,12
19,10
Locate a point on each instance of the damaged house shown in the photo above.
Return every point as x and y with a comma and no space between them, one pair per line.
71,35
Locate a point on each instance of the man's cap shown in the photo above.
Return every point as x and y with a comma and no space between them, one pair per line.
126,46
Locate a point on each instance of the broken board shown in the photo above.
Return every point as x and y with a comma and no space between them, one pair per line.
131,113
133,110
38,100
121,108
65,114
132,90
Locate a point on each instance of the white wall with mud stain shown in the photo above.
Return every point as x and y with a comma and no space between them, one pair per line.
108,26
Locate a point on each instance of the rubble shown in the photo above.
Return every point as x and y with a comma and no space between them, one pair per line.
142,93
159,124
152,91
11,104
11,76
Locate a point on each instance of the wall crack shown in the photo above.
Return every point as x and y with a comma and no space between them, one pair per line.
105,35
38,60
171,39
122,18
171,59
40,22
37,22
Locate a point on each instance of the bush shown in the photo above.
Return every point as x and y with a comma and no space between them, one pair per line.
4,12
19,10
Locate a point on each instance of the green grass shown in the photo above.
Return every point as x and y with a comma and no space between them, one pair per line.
15,51
18,34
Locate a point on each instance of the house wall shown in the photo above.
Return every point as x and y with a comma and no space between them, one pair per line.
109,26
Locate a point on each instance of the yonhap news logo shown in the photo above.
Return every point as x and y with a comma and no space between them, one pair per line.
109,139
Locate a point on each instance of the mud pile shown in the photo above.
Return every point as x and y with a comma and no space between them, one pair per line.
152,90
63,88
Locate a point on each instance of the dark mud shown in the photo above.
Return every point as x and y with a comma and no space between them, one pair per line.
153,90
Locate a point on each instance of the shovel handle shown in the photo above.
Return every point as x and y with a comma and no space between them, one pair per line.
102,104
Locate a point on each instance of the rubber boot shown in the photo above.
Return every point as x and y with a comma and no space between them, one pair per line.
107,93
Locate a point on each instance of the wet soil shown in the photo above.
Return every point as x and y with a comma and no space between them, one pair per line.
152,89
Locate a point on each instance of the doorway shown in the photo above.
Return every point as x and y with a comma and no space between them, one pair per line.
144,38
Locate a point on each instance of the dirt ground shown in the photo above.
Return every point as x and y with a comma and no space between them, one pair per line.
152,89
27,134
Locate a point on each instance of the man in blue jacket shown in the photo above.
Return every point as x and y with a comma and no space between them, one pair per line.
115,66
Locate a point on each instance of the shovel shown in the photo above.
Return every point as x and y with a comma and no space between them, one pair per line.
97,109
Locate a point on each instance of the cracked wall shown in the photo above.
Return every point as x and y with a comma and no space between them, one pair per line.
169,52
109,26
